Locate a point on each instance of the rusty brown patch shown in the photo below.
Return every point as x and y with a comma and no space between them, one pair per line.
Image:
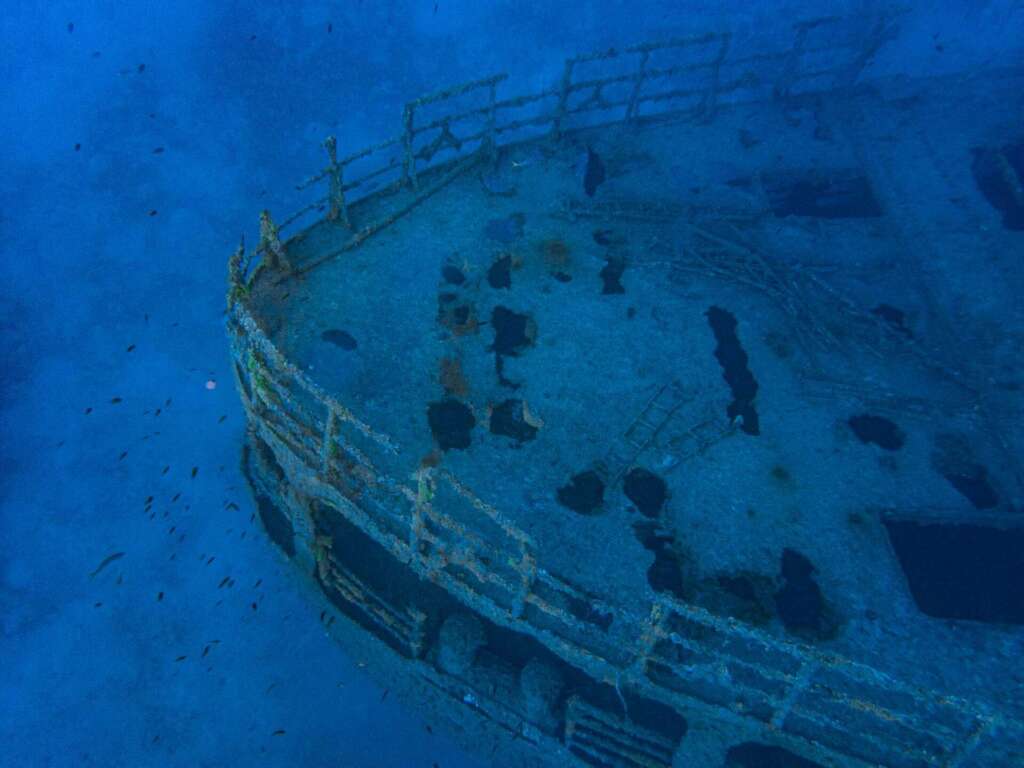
556,254
452,378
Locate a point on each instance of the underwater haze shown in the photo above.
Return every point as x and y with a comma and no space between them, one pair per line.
150,614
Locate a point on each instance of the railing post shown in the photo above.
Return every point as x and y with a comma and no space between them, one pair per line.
527,569
236,275
652,630
327,446
336,191
490,143
710,101
563,100
635,96
270,244
408,162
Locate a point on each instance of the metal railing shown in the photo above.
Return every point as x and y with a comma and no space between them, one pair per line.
683,77
825,706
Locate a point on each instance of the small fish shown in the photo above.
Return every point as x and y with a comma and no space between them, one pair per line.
167,402
121,458
106,561
165,470
211,560
158,151
323,615
254,606
71,26
221,419
78,147
223,581
206,650
258,582
330,621
385,695
97,605
231,505
115,400
152,212
279,732
430,730
181,658
142,68
61,444
158,411
131,348
159,596
149,499
96,54
88,411
175,497
195,471
330,28
171,532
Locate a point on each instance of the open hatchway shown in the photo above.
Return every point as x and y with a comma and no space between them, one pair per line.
643,427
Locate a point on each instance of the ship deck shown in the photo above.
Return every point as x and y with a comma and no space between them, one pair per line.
690,320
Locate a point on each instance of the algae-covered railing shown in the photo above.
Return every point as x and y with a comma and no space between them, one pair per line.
824,706
821,704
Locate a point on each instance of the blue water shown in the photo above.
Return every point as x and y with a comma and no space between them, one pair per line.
139,141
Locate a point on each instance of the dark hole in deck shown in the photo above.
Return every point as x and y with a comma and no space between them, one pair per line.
646,490
594,174
450,423
877,430
338,338
666,572
999,174
611,275
506,230
896,318
799,604
733,359
752,754
507,419
510,331
969,572
826,195
584,493
500,273
452,275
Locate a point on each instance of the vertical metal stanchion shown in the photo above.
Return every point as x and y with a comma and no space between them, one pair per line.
336,190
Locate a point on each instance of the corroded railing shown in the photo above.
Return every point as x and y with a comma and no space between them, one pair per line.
674,652
824,706
689,76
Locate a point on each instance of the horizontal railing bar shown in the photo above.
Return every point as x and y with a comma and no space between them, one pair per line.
679,42
457,90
